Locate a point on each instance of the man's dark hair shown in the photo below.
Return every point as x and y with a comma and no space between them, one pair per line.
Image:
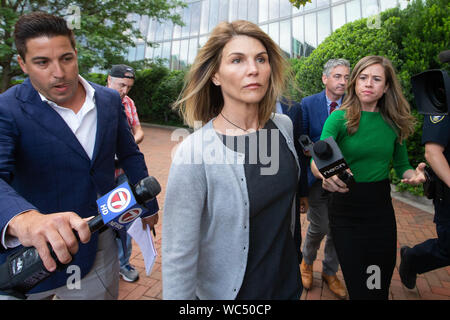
39,24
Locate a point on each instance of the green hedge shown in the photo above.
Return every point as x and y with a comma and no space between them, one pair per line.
154,90
411,38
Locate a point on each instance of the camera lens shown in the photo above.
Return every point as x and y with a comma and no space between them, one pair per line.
436,91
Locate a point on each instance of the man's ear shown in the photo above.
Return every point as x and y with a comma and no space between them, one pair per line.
324,79
22,64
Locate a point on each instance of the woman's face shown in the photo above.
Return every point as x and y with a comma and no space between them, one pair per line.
371,85
244,71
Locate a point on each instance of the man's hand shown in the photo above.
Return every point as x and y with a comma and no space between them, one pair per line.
33,228
304,204
150,221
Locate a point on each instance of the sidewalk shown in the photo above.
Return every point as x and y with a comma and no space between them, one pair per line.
413,226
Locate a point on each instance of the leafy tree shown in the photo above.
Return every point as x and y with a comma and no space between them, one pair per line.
101,27
298,3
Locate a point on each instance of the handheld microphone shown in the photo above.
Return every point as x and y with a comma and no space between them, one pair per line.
24,269
328,158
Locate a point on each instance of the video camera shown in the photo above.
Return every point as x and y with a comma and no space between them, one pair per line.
432,89
328,158
432,95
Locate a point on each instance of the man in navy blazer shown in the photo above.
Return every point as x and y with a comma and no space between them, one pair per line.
315,111
58,137
293,111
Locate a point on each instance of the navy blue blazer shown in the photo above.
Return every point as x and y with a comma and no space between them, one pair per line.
44,167
314,114
294,112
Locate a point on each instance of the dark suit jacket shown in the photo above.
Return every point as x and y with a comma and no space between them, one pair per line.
314,114
294,112
44,167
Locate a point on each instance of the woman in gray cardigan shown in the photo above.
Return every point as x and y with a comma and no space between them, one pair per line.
230,201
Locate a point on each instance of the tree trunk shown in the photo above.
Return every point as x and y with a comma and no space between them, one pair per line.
6,78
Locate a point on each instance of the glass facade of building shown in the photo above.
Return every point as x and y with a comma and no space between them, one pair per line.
297,31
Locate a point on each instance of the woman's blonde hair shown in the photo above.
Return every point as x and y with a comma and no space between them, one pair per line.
393,106
201,100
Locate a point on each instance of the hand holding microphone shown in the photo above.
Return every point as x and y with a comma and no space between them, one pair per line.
328,164
26,268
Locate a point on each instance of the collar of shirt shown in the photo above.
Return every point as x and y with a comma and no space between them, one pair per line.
339,102
84,123
279,109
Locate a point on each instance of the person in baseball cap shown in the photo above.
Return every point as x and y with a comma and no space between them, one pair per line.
121,78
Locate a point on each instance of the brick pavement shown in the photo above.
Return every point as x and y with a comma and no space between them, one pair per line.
413,226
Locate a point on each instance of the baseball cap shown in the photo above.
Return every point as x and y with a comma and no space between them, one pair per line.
122,71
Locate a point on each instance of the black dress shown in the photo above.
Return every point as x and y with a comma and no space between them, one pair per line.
272,270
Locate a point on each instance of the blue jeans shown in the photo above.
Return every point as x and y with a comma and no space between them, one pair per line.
124,257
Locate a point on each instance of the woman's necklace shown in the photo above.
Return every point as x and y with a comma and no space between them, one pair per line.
234,124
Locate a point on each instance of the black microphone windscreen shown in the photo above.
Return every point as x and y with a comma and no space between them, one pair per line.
152,185
444,56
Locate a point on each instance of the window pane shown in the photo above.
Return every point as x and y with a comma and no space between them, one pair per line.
151,31
131,54
311,5
323,24
193,46
157,53
205,16
166,53
187,22
338,16
321,3
242,13
159,32
196,14
274,32
253,11
297,36
149,53
233,11
168,30
143,26
265,28
369,8
140,51
202,41
295,10
184,46
285,8
223,10
176,28
285,37
387,4
274,9
310,33
175,55
263,10
353,10
213,14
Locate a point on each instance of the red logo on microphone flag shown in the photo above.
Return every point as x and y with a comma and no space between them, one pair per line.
119,200
130,215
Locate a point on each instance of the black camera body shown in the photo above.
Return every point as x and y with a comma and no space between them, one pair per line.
431,89
328,158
